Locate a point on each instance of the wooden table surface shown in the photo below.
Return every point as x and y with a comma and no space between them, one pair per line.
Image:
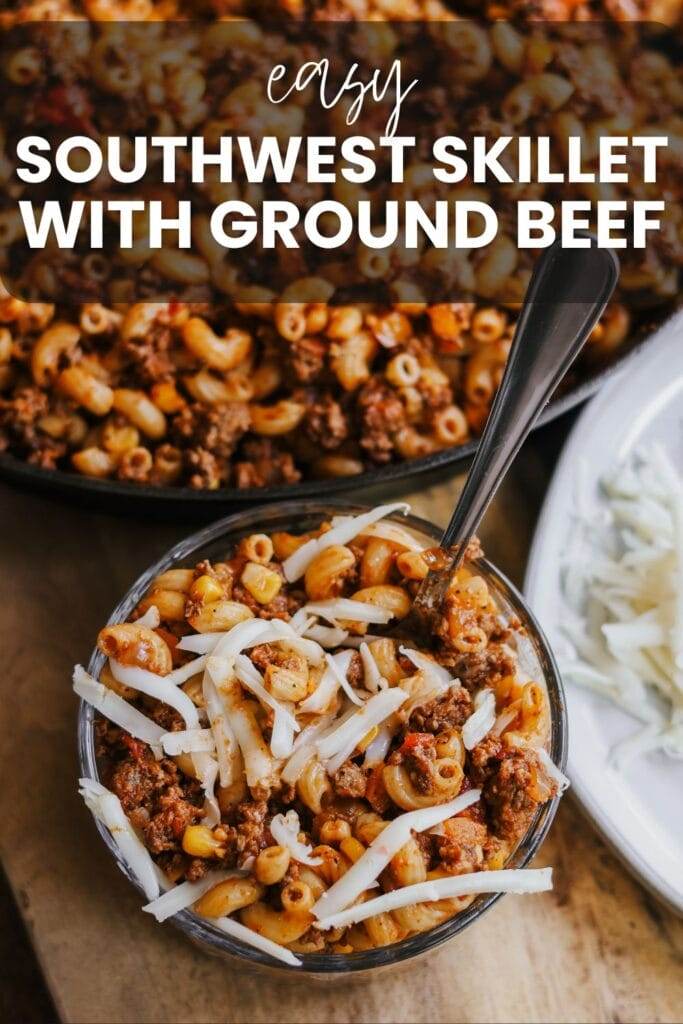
598,948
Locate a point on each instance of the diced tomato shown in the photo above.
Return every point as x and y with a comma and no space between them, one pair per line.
67,106
414,740
137,749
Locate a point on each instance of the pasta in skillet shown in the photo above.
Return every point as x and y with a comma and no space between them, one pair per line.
241,381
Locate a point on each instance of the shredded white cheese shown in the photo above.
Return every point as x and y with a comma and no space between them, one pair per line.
348,735
326,636
200,643
106,807
378,748
373,678
227,750
623,584
340,676
300,622
285,829
244,634
250,677
304,749
396,534
345,608
282,736
206,768
156,686
504,719
431,669
151,618
429,690
251,938
180,675
188,741
185,895
324,693
521,881
480,723
552,770
283,633
366,638
296,565
259,766
367,868
116,709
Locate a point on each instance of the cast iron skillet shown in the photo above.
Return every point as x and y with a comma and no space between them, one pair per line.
185,503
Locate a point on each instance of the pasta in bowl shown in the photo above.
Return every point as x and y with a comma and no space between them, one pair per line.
290,781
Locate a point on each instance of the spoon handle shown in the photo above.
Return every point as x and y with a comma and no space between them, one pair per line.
567,294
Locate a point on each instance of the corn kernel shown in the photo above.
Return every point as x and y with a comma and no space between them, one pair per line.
352,848
334,830
497,861
206,588
199,841
263,584
367,739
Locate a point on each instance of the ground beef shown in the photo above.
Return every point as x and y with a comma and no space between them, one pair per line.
507,777
47,453
177,866
420,764
138,780
349,780
263,655
18,415
279,608
166,827
263,465
326,423
446,712
597,89
167,717
417,754
196,869
462,849
479,668
473,549
306,359
312,941
147,357
216,429
382,414
205,473
108,738
427,845
251,834
159,799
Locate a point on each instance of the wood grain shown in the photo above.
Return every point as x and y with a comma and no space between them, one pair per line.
597,948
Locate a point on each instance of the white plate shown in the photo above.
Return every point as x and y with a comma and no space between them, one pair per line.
639,809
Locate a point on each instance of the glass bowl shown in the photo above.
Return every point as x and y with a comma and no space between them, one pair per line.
535,657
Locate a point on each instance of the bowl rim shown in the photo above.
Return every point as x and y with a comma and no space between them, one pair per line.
200,929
